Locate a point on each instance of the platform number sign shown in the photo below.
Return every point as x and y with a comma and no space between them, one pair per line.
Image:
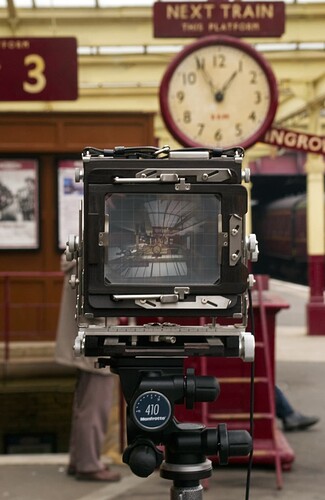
38,69
35,82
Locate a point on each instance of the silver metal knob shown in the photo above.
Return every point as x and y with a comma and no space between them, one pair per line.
252,247
79,344
247,346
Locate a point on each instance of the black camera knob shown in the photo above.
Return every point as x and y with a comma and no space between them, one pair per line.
142,459
234,443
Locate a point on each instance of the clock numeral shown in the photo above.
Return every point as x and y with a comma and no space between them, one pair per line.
239,129
201,128
253,79
180,96
252,116
218,135
219,61
187,117
258,97
189,78
240,66
200,63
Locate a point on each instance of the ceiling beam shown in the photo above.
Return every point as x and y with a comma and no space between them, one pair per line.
12,15
298,106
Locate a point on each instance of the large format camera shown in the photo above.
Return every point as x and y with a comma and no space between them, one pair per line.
162,237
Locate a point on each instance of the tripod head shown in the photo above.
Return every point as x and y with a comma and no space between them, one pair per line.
152,387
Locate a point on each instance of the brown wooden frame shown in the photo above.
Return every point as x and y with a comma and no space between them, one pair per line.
49,137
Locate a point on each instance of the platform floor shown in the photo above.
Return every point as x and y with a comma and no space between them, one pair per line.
300,373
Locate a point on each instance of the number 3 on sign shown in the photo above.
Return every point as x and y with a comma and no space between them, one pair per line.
36,72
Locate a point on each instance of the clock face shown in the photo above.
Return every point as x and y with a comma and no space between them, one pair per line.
218,92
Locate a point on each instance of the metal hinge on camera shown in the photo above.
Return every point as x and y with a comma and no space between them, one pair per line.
103,235
199,302
178,178
235,239
200,174
180,184
176,300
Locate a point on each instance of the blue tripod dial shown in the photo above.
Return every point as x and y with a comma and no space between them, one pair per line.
152,410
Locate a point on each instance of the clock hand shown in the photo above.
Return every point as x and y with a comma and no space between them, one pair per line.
206,76
228,82
221,93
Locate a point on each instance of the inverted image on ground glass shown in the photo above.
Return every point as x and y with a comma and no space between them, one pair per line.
162,238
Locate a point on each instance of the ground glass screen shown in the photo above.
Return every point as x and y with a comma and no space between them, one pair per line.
162,238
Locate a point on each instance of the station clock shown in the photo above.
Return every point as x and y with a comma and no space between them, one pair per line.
218,92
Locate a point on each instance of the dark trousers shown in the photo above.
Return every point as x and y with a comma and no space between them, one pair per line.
282,406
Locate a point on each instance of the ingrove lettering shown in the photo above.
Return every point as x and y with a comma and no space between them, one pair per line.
295,140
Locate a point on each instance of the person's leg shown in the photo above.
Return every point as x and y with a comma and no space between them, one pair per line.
73,431
291,419
92,404
282,406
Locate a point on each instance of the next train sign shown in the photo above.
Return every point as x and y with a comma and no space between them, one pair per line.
196,19
38,69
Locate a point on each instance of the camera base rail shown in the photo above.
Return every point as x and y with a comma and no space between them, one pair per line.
166,339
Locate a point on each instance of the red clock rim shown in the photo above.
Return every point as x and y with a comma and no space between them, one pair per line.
205,42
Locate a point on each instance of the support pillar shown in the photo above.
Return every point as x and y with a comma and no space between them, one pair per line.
315,244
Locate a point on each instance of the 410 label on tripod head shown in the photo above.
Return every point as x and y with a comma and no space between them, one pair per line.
152,410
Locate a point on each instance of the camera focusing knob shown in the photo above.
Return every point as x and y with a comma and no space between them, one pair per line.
252,247
246,175
79,174
79,344
247,346
73,281
251,281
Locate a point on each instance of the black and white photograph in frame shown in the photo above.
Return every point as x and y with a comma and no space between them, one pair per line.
19,204
70,194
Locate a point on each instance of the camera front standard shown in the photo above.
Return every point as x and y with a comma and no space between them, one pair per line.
162,235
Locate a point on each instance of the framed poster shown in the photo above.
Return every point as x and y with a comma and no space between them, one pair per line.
19,204
70,193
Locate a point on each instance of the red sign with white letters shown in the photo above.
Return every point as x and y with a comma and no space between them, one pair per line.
217,17
292,139
38,69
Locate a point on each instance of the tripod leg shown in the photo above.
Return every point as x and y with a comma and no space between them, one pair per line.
186,493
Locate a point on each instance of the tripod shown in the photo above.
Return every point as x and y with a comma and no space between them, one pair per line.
151,388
